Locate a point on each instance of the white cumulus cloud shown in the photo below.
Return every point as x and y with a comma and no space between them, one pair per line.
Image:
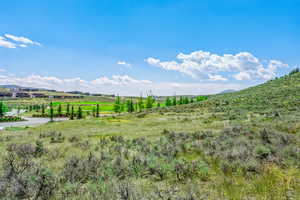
7,44
216,78
12,41
242,76
21,39
201,64
123,63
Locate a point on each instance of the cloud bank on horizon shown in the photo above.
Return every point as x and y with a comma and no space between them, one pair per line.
117,84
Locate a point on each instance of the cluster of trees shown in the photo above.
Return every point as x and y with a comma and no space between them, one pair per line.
3,118
36,107
183,100
130,105
120,105
141,103
69,112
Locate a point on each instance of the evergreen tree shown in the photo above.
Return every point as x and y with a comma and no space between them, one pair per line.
168,101
186,100
97,110
192,100
180,100
117,104
37,108
149,102
141,104
68,109
174,101
2,110
51,111
72,113
79,113
122,105
129,104
59,110
94,112
43,109
158,104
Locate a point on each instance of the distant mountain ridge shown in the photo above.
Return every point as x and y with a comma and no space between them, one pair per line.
20,87
228,91
11,86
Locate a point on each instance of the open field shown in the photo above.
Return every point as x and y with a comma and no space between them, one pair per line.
87,103
243,145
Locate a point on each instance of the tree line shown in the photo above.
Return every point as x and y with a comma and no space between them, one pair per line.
120,105
3,117
149,102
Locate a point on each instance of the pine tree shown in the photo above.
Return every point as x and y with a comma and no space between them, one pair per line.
174,101
149,102
59,110
141,104
68,109
97,110
43,109
168,101
51,111
72,113
38,108
180,100
94,112
117,104
79,114
122,105
129,104
1,109
186,100
192,100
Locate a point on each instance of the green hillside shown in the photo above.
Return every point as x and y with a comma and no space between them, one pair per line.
242,145
279,94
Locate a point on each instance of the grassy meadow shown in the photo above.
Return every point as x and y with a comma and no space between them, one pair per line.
242,145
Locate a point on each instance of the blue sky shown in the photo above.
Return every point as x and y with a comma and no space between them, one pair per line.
133,46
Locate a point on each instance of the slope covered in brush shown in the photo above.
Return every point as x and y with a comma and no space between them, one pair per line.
281,93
